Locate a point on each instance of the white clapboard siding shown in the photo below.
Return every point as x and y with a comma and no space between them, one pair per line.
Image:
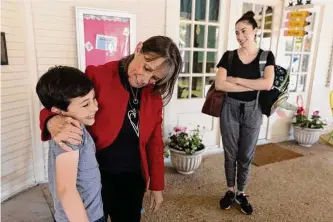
15,133
12,95
16,104
17,171
11,76
20,122
14,90
15,184
24,144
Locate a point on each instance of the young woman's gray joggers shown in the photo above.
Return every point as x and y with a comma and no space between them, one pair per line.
240,126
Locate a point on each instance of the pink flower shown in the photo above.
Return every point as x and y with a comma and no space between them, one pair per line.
316,113
177,129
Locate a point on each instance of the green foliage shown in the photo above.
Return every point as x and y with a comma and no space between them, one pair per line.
313,123
181,140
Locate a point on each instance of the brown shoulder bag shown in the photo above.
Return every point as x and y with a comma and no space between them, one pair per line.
214,98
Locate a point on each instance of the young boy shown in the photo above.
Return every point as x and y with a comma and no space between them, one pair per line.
74,177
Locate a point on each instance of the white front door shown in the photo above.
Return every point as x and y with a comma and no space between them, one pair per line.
268,17
195,25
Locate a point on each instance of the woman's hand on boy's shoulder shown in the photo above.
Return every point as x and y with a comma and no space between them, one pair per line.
65,130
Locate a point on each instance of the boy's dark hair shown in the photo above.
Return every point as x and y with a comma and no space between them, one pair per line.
60,84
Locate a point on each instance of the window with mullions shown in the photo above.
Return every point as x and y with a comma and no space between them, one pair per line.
198,41
297,55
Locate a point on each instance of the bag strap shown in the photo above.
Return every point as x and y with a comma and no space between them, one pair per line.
230,58
262,62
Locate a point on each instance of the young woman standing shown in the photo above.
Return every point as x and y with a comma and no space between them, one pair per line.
241,113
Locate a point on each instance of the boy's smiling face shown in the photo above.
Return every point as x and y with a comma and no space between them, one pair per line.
82,109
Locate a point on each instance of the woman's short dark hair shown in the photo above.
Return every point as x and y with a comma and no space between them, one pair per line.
249,18
162,47
60,84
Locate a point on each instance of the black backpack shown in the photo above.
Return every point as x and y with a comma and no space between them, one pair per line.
272,99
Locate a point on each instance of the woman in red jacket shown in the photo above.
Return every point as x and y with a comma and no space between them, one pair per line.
128,125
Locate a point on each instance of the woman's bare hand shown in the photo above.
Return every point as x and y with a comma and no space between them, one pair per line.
65,130
156,199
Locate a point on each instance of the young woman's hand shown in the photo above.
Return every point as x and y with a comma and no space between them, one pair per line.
65,130
156,199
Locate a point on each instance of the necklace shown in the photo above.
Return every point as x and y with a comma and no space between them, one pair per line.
133,114
135,96
133,102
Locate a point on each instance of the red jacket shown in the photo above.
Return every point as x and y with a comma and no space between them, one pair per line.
112,100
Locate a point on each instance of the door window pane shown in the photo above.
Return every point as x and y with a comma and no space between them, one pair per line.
214,8
289,43
247,7
295,63
210,62
268,18
301,83
186,61
199,36
197,87
305,63
258,11
268,23
213,33
286,61
266,41
184,35
186,9
200,10
307,43
183,88
298,44
197,62
293,83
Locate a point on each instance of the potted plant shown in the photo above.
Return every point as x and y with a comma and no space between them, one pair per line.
307,131
185,148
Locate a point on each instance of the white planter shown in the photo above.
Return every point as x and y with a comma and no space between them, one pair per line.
306,137
185,164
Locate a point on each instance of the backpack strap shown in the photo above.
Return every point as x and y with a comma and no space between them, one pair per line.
262,62
230,58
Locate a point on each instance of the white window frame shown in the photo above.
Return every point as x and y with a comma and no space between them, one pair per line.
204,49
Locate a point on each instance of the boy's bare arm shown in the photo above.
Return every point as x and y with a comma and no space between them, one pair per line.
66,174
